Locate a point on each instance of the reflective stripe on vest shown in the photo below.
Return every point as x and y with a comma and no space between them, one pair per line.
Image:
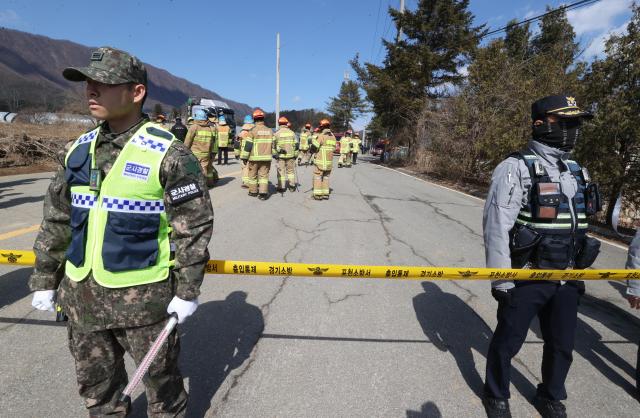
563,222
121,234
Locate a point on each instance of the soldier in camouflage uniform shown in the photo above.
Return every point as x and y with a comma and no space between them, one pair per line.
106,320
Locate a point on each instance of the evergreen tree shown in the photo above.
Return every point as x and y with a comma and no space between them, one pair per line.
439,38
557,38
614,134
517,40
490,117
346,106
298,118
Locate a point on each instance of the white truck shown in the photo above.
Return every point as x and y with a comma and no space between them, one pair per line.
217,107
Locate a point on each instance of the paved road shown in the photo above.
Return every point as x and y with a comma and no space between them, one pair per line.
294,347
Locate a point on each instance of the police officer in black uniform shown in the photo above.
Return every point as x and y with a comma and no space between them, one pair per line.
179,130
535,216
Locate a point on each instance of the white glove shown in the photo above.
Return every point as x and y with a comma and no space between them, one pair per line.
183,308
43,300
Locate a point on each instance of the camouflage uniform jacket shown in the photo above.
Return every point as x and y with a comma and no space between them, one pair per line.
92,307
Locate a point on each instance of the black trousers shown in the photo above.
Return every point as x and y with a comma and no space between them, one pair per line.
224,150
557,309
355,157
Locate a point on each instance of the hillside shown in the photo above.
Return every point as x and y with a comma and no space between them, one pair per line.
31,77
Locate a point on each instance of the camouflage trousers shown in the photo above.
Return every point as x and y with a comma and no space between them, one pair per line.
209,170
286,172
101,374
259,176
321,183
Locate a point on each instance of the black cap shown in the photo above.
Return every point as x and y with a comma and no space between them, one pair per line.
564,106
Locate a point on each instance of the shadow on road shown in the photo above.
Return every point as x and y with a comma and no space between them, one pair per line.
4,185
428,410
590,344
224,180
620,287
20,201
452,326
13,285
217,339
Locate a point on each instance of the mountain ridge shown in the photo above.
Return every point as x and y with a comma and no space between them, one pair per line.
31,77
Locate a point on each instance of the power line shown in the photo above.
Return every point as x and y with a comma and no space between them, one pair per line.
375,32
571,6
386,31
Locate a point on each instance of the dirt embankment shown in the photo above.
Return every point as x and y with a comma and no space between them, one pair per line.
29,148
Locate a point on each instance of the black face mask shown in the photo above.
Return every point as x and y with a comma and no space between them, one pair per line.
562,135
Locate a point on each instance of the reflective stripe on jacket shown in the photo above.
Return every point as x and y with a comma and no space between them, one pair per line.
326,144
285,140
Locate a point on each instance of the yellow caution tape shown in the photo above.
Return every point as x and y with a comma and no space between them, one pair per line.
319,271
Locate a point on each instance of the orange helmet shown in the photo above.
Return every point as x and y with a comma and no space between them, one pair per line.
325,123
258,114
281,121
307,125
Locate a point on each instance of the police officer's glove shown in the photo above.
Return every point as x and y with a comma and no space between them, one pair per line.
282,151
44,300
276,156
182,308
502,296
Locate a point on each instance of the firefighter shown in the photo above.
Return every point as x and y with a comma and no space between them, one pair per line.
303,147
258,151
345,150
201,139
312,155
284,148
355,149
246,127
323,146
223,140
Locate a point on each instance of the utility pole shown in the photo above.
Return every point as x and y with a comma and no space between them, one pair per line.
400,26
277,77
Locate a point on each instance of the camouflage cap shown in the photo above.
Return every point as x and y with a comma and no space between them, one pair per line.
109,66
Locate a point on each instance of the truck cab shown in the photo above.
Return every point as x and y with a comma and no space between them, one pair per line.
218,107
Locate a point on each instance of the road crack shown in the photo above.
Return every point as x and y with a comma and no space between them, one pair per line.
341,299
432,206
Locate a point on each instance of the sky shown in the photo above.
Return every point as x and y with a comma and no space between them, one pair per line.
229,47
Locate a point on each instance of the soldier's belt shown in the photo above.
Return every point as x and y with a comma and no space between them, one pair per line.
262,268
